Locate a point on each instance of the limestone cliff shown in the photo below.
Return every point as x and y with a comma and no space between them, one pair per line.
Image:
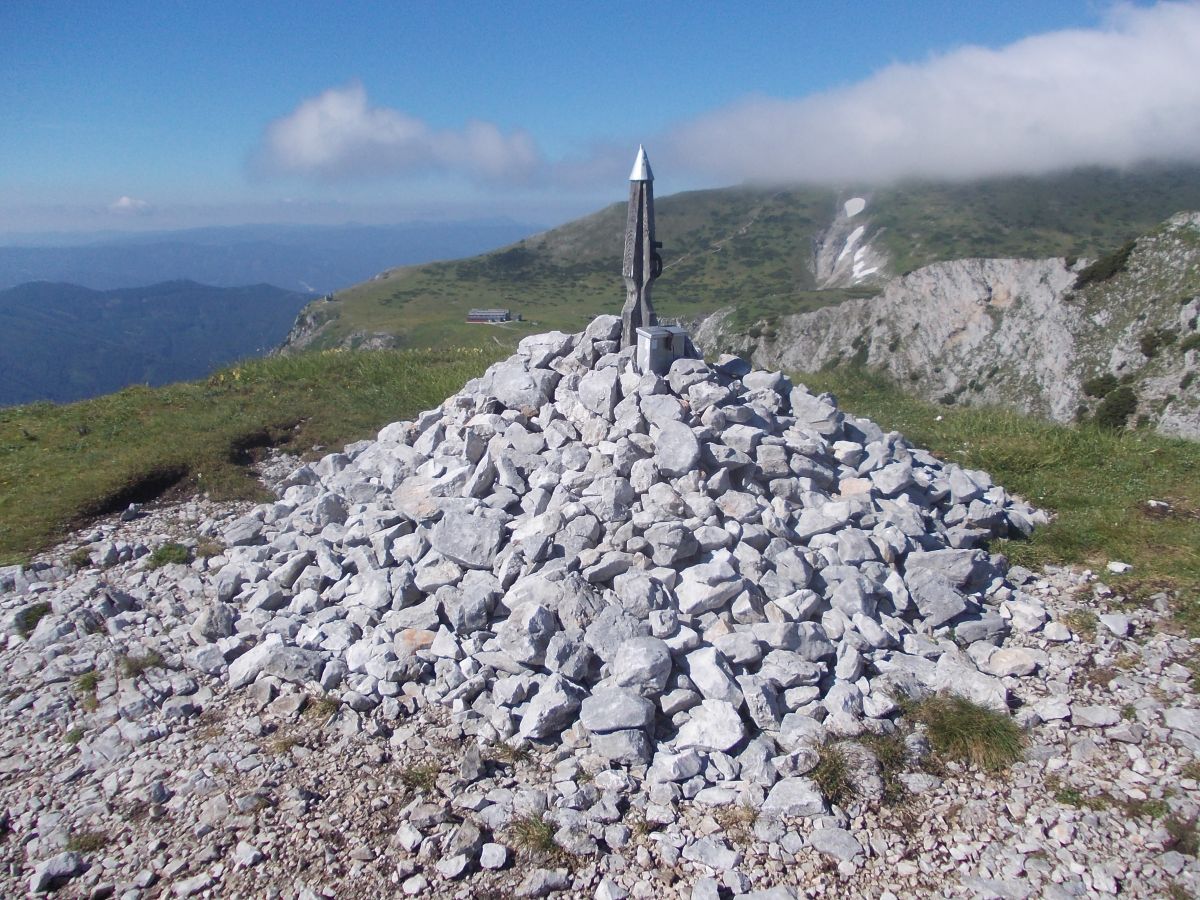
1020,332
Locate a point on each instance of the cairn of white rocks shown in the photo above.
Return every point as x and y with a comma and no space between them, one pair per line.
671,590
707,572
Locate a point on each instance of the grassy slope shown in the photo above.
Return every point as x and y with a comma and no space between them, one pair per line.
752,248
58,464
1096,481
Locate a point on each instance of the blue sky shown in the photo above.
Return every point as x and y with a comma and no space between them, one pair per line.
168,114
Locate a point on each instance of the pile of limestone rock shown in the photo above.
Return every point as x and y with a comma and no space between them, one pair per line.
706,573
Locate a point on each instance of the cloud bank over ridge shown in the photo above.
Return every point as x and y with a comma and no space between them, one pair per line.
1125,92
1117,95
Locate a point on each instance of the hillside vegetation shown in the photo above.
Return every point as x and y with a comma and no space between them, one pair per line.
64,342
750,248
61,464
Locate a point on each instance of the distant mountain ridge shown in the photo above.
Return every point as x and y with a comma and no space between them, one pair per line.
312,258
764,252
64,342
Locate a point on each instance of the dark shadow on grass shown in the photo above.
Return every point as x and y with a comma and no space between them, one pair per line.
141,488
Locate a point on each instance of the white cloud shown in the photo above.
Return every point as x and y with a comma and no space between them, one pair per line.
339,134
1116,95
129,206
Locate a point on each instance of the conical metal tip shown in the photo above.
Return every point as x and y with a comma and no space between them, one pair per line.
641,167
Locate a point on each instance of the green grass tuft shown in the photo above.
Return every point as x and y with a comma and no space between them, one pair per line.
1082,621
87,841
510,754
420,778
833,775
27,619
320,709
1184,837
133,665
534,836
962,731
169,554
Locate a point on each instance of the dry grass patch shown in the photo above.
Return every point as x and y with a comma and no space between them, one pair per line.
534,836
962,731
87,841
133,664
420,778
834,775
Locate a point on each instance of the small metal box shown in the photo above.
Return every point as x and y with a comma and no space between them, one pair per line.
658,346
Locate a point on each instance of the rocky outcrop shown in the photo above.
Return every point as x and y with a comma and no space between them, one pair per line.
310,325
1018,332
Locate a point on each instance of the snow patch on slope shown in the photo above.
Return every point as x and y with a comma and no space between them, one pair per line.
851,241
854,206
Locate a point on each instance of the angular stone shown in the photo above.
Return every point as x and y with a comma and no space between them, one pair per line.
469,540
493,856
294,664
599,392
552,709
614,709
795,797
543,882
676,449
56,871
1011,661
713,725
836,842
526,633
628,747
643,664
1094,716
938,601
712,852
709,671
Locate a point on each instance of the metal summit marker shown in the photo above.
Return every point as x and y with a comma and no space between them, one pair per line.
642,264
655,346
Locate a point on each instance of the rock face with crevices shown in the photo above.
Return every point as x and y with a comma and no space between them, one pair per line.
1019,333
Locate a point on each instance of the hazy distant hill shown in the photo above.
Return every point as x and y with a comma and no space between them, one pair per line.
64,342
767,252
302,258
